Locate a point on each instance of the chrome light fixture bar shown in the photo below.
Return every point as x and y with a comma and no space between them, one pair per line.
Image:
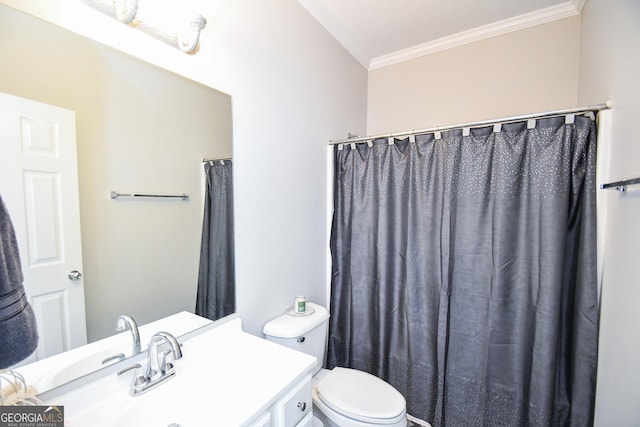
184,36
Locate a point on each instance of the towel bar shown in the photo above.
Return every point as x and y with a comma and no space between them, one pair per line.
115,195
621,185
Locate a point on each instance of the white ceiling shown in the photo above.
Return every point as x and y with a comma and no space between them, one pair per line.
383,32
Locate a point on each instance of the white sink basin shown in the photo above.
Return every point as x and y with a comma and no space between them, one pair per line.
83,365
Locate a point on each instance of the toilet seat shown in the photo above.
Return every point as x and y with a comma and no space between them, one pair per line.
361,396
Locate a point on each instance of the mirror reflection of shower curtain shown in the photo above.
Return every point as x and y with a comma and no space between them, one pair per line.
464,272
216,295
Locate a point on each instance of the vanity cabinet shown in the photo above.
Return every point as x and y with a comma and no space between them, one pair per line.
294,409
294,406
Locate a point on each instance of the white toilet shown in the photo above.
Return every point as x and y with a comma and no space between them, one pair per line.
341,397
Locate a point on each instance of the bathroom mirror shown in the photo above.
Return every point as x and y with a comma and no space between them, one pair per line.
139,128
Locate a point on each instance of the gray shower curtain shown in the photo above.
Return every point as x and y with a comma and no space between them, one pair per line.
464,272
216,296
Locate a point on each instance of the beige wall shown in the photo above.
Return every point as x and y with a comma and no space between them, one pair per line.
139,129
609,71
521,72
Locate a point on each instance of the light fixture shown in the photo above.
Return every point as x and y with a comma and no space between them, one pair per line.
149,17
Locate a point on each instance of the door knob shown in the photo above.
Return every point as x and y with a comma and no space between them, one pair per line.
74,275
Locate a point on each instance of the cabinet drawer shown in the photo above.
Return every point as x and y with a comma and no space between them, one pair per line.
296,404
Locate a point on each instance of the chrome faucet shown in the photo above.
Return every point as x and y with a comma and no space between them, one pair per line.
126,322
159,364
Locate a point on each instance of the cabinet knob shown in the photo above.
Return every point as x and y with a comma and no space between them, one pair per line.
302,406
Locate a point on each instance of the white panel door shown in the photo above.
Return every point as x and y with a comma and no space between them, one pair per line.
39,185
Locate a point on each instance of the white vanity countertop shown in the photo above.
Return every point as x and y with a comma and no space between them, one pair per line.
177,324
226,377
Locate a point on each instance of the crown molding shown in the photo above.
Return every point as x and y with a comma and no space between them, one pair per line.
579,4
315,8
553,13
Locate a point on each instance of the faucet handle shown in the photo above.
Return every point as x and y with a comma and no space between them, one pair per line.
117,357
129,368
166,366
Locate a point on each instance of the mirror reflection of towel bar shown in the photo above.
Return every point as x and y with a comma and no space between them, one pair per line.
115,195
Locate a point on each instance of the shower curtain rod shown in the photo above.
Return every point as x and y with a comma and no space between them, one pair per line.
225,159
597,107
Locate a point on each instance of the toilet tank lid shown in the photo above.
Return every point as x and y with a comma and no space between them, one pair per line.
288,326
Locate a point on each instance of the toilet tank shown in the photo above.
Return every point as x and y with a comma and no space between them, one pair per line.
305,333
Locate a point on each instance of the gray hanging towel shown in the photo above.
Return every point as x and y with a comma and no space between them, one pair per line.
18,332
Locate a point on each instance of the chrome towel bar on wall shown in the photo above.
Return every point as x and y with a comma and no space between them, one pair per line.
621,185
116,195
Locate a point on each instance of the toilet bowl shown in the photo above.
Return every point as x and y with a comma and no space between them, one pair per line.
345,397
342,397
